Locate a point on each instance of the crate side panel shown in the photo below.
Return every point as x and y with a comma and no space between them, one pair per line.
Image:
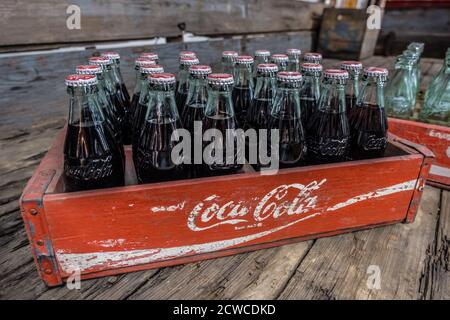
101,231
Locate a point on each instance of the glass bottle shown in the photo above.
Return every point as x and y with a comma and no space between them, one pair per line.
328,131
354,69
286,117
260,56
243,88
92,159
182,84
228,58
437,79
118,105
258,114
141,106
415,57
400,89
310,90
281,60
105,103
294,59
219,115
117,75
436,106
154,161
368,121
312,57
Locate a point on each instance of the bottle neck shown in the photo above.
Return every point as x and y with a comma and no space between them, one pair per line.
286,104
265,86
183,76
352,86
310,89
84,108
372,92
110,86
332,96
197,94
115,72
161,106
219,104
243,77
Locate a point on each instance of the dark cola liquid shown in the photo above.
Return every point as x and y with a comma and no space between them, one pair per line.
180,99
350,103
191,114
369,131
222,123
123,104
91,159
308,107
242,99
328,137
258,114
292,140
138,124
154,161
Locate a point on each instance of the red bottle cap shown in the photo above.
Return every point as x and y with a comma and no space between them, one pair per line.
143,61
244,59
162,78
88,69
220,78
313,57
335,74
110,54
279,57
376,72
187,54
351,65
150,55
294,52
189,61
200,69
267,67
229,53
289,76
310,67
150,69
81,80
100,61
262,53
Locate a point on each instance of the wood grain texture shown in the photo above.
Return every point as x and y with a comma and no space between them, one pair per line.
37,22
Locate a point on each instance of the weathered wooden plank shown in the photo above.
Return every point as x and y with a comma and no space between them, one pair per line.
37,22
336,268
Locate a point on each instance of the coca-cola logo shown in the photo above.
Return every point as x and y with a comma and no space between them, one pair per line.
285,200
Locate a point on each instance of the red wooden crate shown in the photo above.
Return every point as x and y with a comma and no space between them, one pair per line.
434,137
110,231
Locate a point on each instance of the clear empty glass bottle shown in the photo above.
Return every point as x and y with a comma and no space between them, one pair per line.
219,115
281,60
328,131
354,69
312,57
243,88
400,92
105,103
436,107
310,90
286,117
415,58
368,121
154,161
228,58
294,59
265,88
92,159
437,78
182,84
118,104
260,56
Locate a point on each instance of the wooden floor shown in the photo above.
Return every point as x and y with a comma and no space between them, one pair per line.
413,259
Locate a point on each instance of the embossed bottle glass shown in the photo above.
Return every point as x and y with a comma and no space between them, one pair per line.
219,115
153,160
260,56
182,84
228,58
243,88
310,90
352,87
294,59
286,117
368,121
328,131
92,159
